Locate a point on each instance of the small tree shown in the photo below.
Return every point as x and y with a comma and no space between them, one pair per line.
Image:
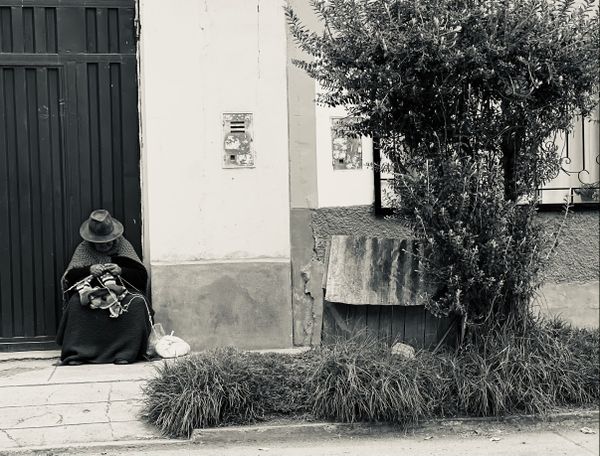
465,98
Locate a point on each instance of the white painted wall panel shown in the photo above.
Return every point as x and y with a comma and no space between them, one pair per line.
200,59
340,187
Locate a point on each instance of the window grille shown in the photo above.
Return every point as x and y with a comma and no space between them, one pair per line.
577,180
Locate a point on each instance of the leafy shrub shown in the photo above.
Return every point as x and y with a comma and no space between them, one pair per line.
465,98
544,366
483,253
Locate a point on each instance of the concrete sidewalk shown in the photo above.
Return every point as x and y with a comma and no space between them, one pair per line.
44,404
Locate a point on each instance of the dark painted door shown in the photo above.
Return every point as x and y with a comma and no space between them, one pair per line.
68,144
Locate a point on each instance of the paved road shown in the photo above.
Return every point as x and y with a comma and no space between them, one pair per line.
544,440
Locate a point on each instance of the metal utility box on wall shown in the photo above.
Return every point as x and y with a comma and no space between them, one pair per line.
346,151
238,136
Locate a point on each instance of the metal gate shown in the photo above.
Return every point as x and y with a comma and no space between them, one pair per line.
68,145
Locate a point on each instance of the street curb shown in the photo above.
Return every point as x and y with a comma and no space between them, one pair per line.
298,431
593,415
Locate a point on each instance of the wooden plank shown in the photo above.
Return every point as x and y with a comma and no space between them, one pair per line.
431,330
385,323
358,323
414,326
106,141
40,33
398,319
335,323
50,272
131,217
84,141
373,314
12,142
447,332
6,326
102,29
71,30
36,206
91,30
56,152
93,104
51,30
72,154
127,44
17,29
28,30
114,41
6,39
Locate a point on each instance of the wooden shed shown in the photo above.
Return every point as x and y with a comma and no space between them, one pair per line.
375,287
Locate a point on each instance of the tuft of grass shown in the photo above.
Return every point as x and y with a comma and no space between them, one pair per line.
531,370
199,391
363,381
545,365
225,386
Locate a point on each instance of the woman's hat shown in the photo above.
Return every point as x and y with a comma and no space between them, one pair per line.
101,227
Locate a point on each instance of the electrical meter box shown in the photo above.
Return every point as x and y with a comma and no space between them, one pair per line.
238,137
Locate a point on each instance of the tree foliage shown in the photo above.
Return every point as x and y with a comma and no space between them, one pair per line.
465,97
482,76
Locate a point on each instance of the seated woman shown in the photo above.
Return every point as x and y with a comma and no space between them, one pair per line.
106,317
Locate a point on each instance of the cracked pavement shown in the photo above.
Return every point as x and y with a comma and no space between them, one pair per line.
44,404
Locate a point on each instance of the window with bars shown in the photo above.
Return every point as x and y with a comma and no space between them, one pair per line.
577,181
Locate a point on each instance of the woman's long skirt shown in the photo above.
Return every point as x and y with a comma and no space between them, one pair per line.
92,336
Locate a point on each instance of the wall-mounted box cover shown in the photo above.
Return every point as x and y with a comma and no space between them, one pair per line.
238,135
346,151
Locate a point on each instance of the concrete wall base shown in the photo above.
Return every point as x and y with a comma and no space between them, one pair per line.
245,304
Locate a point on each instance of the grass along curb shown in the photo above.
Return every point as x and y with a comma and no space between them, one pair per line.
539,370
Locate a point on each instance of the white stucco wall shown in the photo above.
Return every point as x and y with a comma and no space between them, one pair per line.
198,60
348,187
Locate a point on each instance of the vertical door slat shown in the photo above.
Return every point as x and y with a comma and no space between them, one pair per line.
10,78
117,138
94,129
6,287
40,36
72,183
54,96
131,159
106,163
51,274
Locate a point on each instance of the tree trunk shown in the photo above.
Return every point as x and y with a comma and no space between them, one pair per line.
510,150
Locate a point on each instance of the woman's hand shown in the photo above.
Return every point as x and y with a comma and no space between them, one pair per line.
113,268
97,270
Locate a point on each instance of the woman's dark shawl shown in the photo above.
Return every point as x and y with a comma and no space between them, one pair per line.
90,335
122,254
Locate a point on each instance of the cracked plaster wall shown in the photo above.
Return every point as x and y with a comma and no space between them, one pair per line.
575,259
573,267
